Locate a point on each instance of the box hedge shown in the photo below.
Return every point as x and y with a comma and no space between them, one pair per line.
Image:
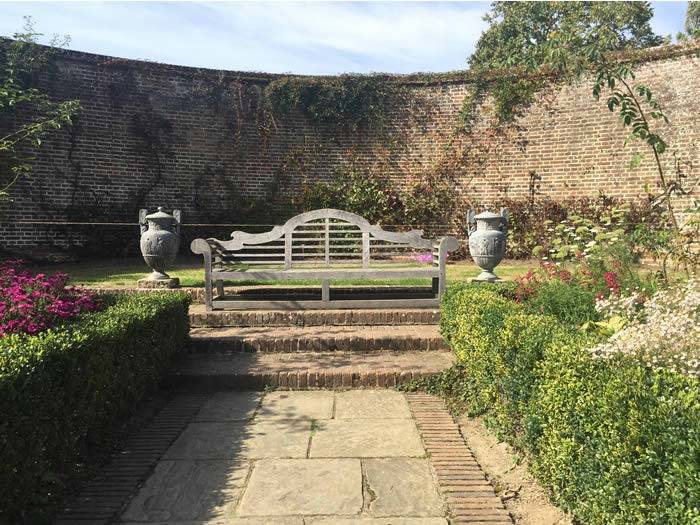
614,441
63,390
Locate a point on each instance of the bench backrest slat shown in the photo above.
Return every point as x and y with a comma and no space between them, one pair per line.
325,236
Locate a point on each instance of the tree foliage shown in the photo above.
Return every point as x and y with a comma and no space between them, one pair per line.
27,114
692,20
558,37
522,33
576,41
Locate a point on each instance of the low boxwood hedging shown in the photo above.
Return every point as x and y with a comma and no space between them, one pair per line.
63,390
615,441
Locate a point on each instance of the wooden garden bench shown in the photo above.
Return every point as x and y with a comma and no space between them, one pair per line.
323,245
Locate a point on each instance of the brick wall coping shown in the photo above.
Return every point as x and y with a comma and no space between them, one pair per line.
662,52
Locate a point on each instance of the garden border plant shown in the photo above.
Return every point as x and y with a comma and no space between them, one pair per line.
613,440
64,389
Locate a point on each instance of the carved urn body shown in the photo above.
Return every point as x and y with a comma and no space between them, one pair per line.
487,241
160,241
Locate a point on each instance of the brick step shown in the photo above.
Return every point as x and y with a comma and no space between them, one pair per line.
199,317
317,339
304,370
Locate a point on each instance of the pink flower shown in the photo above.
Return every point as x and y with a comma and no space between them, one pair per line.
32,303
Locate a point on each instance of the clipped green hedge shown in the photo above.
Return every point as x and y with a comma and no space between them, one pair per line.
63,390
614,441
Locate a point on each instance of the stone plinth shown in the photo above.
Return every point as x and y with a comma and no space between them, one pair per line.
172,282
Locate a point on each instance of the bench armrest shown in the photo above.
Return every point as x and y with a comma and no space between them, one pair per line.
448,244
201,247
444,246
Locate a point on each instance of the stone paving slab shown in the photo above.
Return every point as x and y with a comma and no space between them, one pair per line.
401,487
303,487
371,404
228,521
376,521
296,405
189,491
365,438
235,440
230,406
264,469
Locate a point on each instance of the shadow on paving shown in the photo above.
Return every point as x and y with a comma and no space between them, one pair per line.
202,475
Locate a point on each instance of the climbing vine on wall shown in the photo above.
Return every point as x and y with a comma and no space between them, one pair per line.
352,102
154,135
426,199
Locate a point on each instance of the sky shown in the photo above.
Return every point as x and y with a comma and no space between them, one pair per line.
279,37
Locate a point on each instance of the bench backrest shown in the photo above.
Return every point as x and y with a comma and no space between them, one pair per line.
325,236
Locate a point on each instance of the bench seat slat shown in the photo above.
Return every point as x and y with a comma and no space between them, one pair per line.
259,304
332,228
330,273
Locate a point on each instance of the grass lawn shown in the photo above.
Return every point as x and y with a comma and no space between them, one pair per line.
125,273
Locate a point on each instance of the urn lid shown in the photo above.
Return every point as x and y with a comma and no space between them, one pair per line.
159,215
488,215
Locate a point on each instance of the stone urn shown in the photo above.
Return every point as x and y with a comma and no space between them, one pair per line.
487,241
160,241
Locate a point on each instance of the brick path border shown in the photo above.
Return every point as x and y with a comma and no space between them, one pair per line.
105,495
469,495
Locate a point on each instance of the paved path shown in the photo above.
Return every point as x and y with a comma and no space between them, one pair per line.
304,457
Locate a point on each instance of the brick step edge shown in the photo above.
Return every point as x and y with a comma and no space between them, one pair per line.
224,319
230,344
296,380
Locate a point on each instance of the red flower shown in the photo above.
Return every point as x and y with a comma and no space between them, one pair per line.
612,281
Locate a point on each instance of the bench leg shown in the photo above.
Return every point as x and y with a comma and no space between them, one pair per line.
436,286
208,295
325,290
220,289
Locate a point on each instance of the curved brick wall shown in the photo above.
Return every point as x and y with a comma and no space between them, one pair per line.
152,134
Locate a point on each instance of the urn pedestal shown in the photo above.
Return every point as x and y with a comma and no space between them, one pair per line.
487,241
160,241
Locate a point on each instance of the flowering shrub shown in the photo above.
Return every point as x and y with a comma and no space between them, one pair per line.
32,303
528,284
606,274
534,221
576,236
424,257
666,333
628,307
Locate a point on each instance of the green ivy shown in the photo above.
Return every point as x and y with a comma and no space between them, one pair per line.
350,101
